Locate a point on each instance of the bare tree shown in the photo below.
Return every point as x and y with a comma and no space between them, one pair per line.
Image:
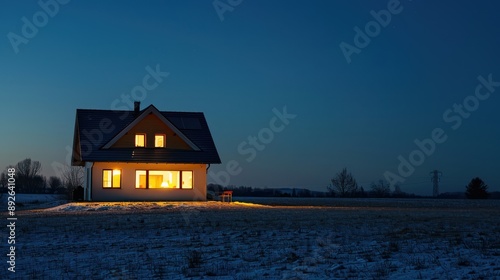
73,177
55,184
28,168
343,184
381,189
28,176
39,184
4,179
3,182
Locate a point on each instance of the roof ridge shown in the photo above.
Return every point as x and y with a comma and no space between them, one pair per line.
121,111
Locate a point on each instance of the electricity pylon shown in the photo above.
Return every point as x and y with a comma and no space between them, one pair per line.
435,178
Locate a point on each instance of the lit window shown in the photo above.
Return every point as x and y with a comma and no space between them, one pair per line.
187,179
140,179
163,179
159,141
111,178
140,140
106,178
160,179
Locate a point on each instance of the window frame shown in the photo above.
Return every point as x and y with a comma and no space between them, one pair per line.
179,183
112,187
164,140
145,140
182,181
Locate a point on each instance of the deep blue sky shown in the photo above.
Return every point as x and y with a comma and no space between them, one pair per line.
264,55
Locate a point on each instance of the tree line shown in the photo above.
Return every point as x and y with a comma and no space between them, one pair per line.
344,185
30,180
264,192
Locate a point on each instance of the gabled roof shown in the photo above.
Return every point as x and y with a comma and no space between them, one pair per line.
150,110
97,130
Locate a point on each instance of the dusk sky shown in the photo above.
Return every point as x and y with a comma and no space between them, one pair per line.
241,64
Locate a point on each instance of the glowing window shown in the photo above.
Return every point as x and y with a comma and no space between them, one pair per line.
187,179
140,140
140,179
163,179
111,178
159,141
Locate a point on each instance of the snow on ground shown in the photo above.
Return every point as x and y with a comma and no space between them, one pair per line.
34,198
215,240
32,201
148,206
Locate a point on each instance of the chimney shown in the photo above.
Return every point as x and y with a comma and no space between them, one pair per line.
137,107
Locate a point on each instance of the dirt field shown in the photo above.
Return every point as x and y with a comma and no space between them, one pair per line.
325,239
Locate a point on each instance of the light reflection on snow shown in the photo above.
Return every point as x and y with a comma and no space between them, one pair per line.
144,206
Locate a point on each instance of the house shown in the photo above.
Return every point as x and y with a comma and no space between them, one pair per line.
143,155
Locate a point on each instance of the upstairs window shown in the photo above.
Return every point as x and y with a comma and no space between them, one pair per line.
140,140
159,141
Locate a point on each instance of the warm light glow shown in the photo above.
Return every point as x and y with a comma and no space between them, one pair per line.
156,179
111,178
117,178
159,141
140,140
187,179
140,179
106,178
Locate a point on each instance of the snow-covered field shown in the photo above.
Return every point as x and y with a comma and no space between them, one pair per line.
326,239
33,198
32,201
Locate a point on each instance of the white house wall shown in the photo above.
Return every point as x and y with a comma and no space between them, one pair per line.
87,181
128,192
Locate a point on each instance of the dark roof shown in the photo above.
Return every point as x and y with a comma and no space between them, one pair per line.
95,128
